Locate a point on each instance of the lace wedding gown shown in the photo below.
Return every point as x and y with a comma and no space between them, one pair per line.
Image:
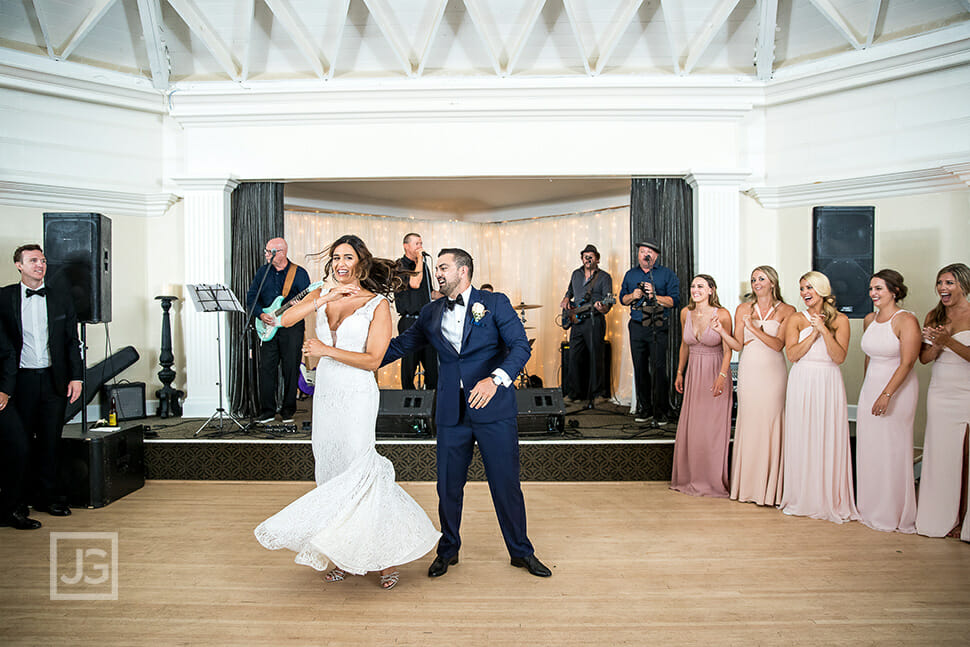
357,517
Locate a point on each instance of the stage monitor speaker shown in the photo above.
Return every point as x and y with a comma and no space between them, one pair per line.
842,250
129,398
102,466
541,411
408,414
78,250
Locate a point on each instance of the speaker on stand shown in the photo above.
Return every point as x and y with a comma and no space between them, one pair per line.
842,250
78,251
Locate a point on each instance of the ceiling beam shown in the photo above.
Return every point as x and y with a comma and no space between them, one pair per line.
247,8
676,47
200,27
827,9
383,16
94,15
299,34
150,13
715,21
340,36
435,24
624,16
574,25
874,20
483,27
518,43
43,30
764,57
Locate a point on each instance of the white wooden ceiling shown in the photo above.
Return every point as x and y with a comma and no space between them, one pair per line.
176,41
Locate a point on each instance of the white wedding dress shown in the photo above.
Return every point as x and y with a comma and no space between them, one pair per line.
357,517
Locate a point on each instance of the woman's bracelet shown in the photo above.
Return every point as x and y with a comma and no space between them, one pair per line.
722,375
888,395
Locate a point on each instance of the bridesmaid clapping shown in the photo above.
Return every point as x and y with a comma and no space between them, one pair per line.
887,404
762,378
704,427
818,465
945,472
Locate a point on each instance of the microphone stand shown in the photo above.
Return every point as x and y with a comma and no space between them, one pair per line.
248,334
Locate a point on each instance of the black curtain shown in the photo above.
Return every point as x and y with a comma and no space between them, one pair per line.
257,216
663,209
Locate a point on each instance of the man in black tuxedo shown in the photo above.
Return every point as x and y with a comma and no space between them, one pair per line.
13,445
41,324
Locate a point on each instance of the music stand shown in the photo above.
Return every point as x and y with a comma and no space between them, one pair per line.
216,298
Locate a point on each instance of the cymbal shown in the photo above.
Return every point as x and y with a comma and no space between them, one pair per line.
529,327
526,306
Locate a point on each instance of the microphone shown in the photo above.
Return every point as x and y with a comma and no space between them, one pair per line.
424,253
272,254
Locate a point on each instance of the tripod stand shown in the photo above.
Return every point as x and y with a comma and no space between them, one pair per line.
216,298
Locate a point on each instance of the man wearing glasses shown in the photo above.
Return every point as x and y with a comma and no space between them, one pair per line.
283,278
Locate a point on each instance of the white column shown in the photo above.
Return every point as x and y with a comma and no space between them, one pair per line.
717,231
207,231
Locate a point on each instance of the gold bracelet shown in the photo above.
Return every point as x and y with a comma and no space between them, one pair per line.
722,374
888,395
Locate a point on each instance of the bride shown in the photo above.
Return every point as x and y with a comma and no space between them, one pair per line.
357,518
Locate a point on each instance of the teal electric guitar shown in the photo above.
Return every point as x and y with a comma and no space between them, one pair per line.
276,309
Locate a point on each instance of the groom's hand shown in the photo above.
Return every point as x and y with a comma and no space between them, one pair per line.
482,394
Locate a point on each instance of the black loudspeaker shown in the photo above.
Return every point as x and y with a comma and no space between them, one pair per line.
406,413
607,367
842,250
541,411
129,398
99,467
78,250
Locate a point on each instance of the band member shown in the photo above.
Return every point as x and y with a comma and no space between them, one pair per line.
417,292
41,324
651,290
282,352
584,310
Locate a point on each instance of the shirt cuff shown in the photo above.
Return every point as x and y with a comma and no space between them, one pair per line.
502,375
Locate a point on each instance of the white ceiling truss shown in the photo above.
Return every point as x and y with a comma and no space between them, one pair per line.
243,41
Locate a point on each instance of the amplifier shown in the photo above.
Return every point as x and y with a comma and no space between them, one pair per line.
129,397
541,411
406,413
102,466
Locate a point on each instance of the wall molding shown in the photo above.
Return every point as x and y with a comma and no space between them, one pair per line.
65,198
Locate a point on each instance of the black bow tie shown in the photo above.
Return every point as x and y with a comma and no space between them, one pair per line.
459,301
41,292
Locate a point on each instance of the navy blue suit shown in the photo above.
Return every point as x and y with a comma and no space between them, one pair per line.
498,340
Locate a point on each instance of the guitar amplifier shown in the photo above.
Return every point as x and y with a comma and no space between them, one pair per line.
129,398
607,366
102,466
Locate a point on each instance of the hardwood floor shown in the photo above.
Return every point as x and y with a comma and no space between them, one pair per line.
633,563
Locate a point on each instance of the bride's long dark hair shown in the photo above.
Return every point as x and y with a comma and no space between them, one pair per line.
379,275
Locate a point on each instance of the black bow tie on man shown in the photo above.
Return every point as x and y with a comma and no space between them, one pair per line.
41,292
459,301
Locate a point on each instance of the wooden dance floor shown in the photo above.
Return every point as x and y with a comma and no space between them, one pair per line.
633,563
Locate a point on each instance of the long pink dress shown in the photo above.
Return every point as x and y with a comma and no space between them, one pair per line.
818,465
886,494
947,417
756,470
704,428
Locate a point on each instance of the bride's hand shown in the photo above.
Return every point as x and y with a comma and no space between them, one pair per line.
316,348
336,293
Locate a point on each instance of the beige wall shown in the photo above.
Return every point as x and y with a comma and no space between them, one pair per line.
915,235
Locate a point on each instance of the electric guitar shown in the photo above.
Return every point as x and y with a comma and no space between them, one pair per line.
276,309
307,380
572,316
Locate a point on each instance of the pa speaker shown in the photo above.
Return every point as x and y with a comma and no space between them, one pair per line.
78,250
129,398
99,466
842,250
406,413
541,411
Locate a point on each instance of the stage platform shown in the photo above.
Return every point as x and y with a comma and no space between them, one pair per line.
603,444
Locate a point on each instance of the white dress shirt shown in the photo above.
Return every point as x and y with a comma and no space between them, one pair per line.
33,312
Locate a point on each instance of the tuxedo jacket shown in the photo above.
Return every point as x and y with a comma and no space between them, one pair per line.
497,340
63,342
8,364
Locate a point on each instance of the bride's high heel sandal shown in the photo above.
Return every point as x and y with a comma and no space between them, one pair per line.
335,575
388,581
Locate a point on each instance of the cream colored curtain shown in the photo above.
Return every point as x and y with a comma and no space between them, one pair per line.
528,260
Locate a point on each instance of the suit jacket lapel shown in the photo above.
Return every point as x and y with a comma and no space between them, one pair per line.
442,304
18,311
467,328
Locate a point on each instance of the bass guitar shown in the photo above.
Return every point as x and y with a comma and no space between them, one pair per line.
572,316
276,309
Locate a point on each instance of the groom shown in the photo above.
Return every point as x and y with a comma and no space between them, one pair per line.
481,346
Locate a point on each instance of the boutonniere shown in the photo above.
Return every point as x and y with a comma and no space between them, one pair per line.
478,313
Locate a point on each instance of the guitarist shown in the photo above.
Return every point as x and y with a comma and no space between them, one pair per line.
588,284
283,278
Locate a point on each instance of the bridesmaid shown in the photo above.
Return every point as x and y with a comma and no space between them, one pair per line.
818,464
762,378
704,428
886,493
946,334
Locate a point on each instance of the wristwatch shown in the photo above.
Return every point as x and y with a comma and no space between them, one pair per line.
496,380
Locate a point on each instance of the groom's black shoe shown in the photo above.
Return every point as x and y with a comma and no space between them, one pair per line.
20,521
530,562
440,565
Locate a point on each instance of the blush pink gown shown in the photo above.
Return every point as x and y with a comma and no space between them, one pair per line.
886,494
704,428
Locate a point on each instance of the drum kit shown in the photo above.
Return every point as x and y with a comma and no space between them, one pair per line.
525,380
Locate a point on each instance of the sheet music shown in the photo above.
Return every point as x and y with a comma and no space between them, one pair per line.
214,298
